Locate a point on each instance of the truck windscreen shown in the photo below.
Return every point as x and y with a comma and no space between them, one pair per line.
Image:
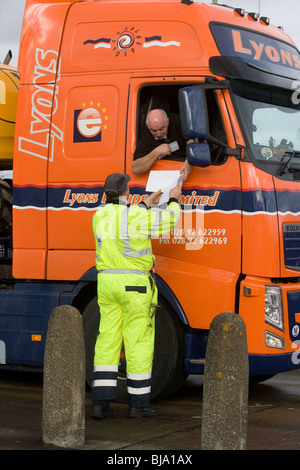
271,121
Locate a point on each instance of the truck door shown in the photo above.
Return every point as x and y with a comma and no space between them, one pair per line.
202,255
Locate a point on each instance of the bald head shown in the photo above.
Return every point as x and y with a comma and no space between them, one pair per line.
158,122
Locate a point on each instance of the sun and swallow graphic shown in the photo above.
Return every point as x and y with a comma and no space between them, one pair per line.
127,40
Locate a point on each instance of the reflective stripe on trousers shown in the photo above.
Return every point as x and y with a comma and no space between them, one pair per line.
104,386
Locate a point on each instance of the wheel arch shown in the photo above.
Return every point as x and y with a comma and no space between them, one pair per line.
164,291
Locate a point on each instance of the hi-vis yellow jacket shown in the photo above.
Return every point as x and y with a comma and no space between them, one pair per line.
123,234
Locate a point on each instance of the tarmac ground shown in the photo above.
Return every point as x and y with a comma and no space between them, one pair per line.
273,420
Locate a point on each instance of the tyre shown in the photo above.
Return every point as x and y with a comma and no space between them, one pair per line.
168,373
90,320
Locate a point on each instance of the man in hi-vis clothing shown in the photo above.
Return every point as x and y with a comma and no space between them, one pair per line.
127,295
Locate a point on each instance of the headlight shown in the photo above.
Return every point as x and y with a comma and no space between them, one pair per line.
274,341
273,306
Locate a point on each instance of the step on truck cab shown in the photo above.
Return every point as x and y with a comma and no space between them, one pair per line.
89,73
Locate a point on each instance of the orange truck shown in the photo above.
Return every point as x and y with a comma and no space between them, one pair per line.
89,73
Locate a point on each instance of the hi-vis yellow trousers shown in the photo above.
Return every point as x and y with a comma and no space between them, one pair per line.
127,301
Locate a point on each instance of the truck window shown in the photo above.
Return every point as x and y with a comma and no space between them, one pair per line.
156,97
216,128
271,122
166,97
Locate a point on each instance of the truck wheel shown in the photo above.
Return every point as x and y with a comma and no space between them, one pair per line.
168,374
168,365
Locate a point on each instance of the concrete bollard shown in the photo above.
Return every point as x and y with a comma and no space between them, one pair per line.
226,379
63,423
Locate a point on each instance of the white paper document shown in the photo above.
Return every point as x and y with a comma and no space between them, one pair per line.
164,180
174,146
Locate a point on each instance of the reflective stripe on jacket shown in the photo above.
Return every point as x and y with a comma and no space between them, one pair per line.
123,234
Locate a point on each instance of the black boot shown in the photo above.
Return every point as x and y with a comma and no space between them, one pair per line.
101,411
147,412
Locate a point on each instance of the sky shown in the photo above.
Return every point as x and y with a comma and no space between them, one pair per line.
281,13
